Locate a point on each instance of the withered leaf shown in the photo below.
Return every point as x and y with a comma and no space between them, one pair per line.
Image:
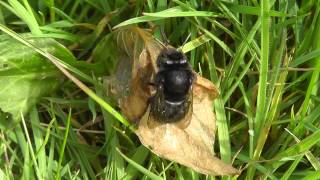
191,146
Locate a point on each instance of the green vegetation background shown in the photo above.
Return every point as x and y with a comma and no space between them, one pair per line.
263,56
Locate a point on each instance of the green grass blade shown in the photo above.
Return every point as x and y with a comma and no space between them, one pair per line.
302,147
291,169
221,120
140,168
314,175
35,163
62,148
139,157
263,77
26,16
40,153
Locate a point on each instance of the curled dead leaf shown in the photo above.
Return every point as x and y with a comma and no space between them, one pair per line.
191,146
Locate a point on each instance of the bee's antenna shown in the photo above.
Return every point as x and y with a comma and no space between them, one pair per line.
164,37
185,41
162,44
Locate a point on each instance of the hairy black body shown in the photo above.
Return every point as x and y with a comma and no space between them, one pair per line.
173,81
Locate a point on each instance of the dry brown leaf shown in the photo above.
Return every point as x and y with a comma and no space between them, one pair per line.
192,146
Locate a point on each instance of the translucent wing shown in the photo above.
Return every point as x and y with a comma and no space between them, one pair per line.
138,52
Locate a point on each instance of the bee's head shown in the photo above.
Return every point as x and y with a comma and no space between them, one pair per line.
170,57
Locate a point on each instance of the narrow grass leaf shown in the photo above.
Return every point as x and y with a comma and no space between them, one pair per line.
291,169
46,139
217,40
250,116
63,14
263,169
253,10
263,76
223,132
312,159
63,145
261,99
238,79
139,167
195,43
3,175
298,148
305,58
40,153
63,36
28,18
146,18
35,163
167,14
221,120
139,157
312,176
8,7
240,54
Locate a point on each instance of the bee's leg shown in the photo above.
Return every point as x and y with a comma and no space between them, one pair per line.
150,99
159,77
135,122
193,77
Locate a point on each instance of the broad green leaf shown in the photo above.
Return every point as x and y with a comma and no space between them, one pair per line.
26,76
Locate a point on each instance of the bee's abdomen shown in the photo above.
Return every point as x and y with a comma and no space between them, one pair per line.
167,111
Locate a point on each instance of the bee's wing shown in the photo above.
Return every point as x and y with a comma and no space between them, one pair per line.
140,51
135,41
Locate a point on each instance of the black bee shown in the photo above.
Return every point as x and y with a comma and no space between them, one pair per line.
173,81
